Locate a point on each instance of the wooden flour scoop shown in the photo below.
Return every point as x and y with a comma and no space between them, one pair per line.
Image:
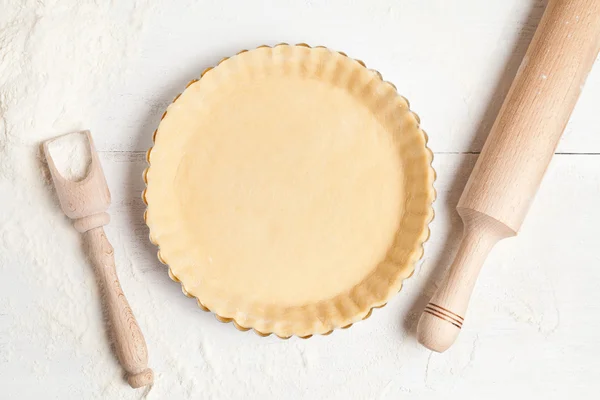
516,154
86,202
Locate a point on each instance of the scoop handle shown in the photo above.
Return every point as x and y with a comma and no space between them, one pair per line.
129,342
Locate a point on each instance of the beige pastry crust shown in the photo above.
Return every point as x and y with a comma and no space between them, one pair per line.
290,190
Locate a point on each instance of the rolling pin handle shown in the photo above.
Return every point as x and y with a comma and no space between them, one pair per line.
443,317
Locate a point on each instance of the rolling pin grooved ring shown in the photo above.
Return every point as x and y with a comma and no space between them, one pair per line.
444,314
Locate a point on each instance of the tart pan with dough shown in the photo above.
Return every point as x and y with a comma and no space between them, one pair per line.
289,190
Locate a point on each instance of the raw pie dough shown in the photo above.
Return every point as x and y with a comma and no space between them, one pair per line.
290,189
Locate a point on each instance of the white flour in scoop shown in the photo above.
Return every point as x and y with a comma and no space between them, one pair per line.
71,155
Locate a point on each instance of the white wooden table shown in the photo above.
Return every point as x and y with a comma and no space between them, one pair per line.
534,324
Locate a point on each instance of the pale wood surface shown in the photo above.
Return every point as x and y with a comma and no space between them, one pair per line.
86,202
532,329
454,63
516,154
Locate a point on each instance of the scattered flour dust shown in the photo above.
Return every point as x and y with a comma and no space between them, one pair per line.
71,155
55,56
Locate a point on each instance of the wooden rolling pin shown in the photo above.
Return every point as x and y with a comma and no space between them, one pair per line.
516,154
86,202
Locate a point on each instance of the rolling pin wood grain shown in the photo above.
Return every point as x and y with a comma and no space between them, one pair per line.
516,154
86,202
